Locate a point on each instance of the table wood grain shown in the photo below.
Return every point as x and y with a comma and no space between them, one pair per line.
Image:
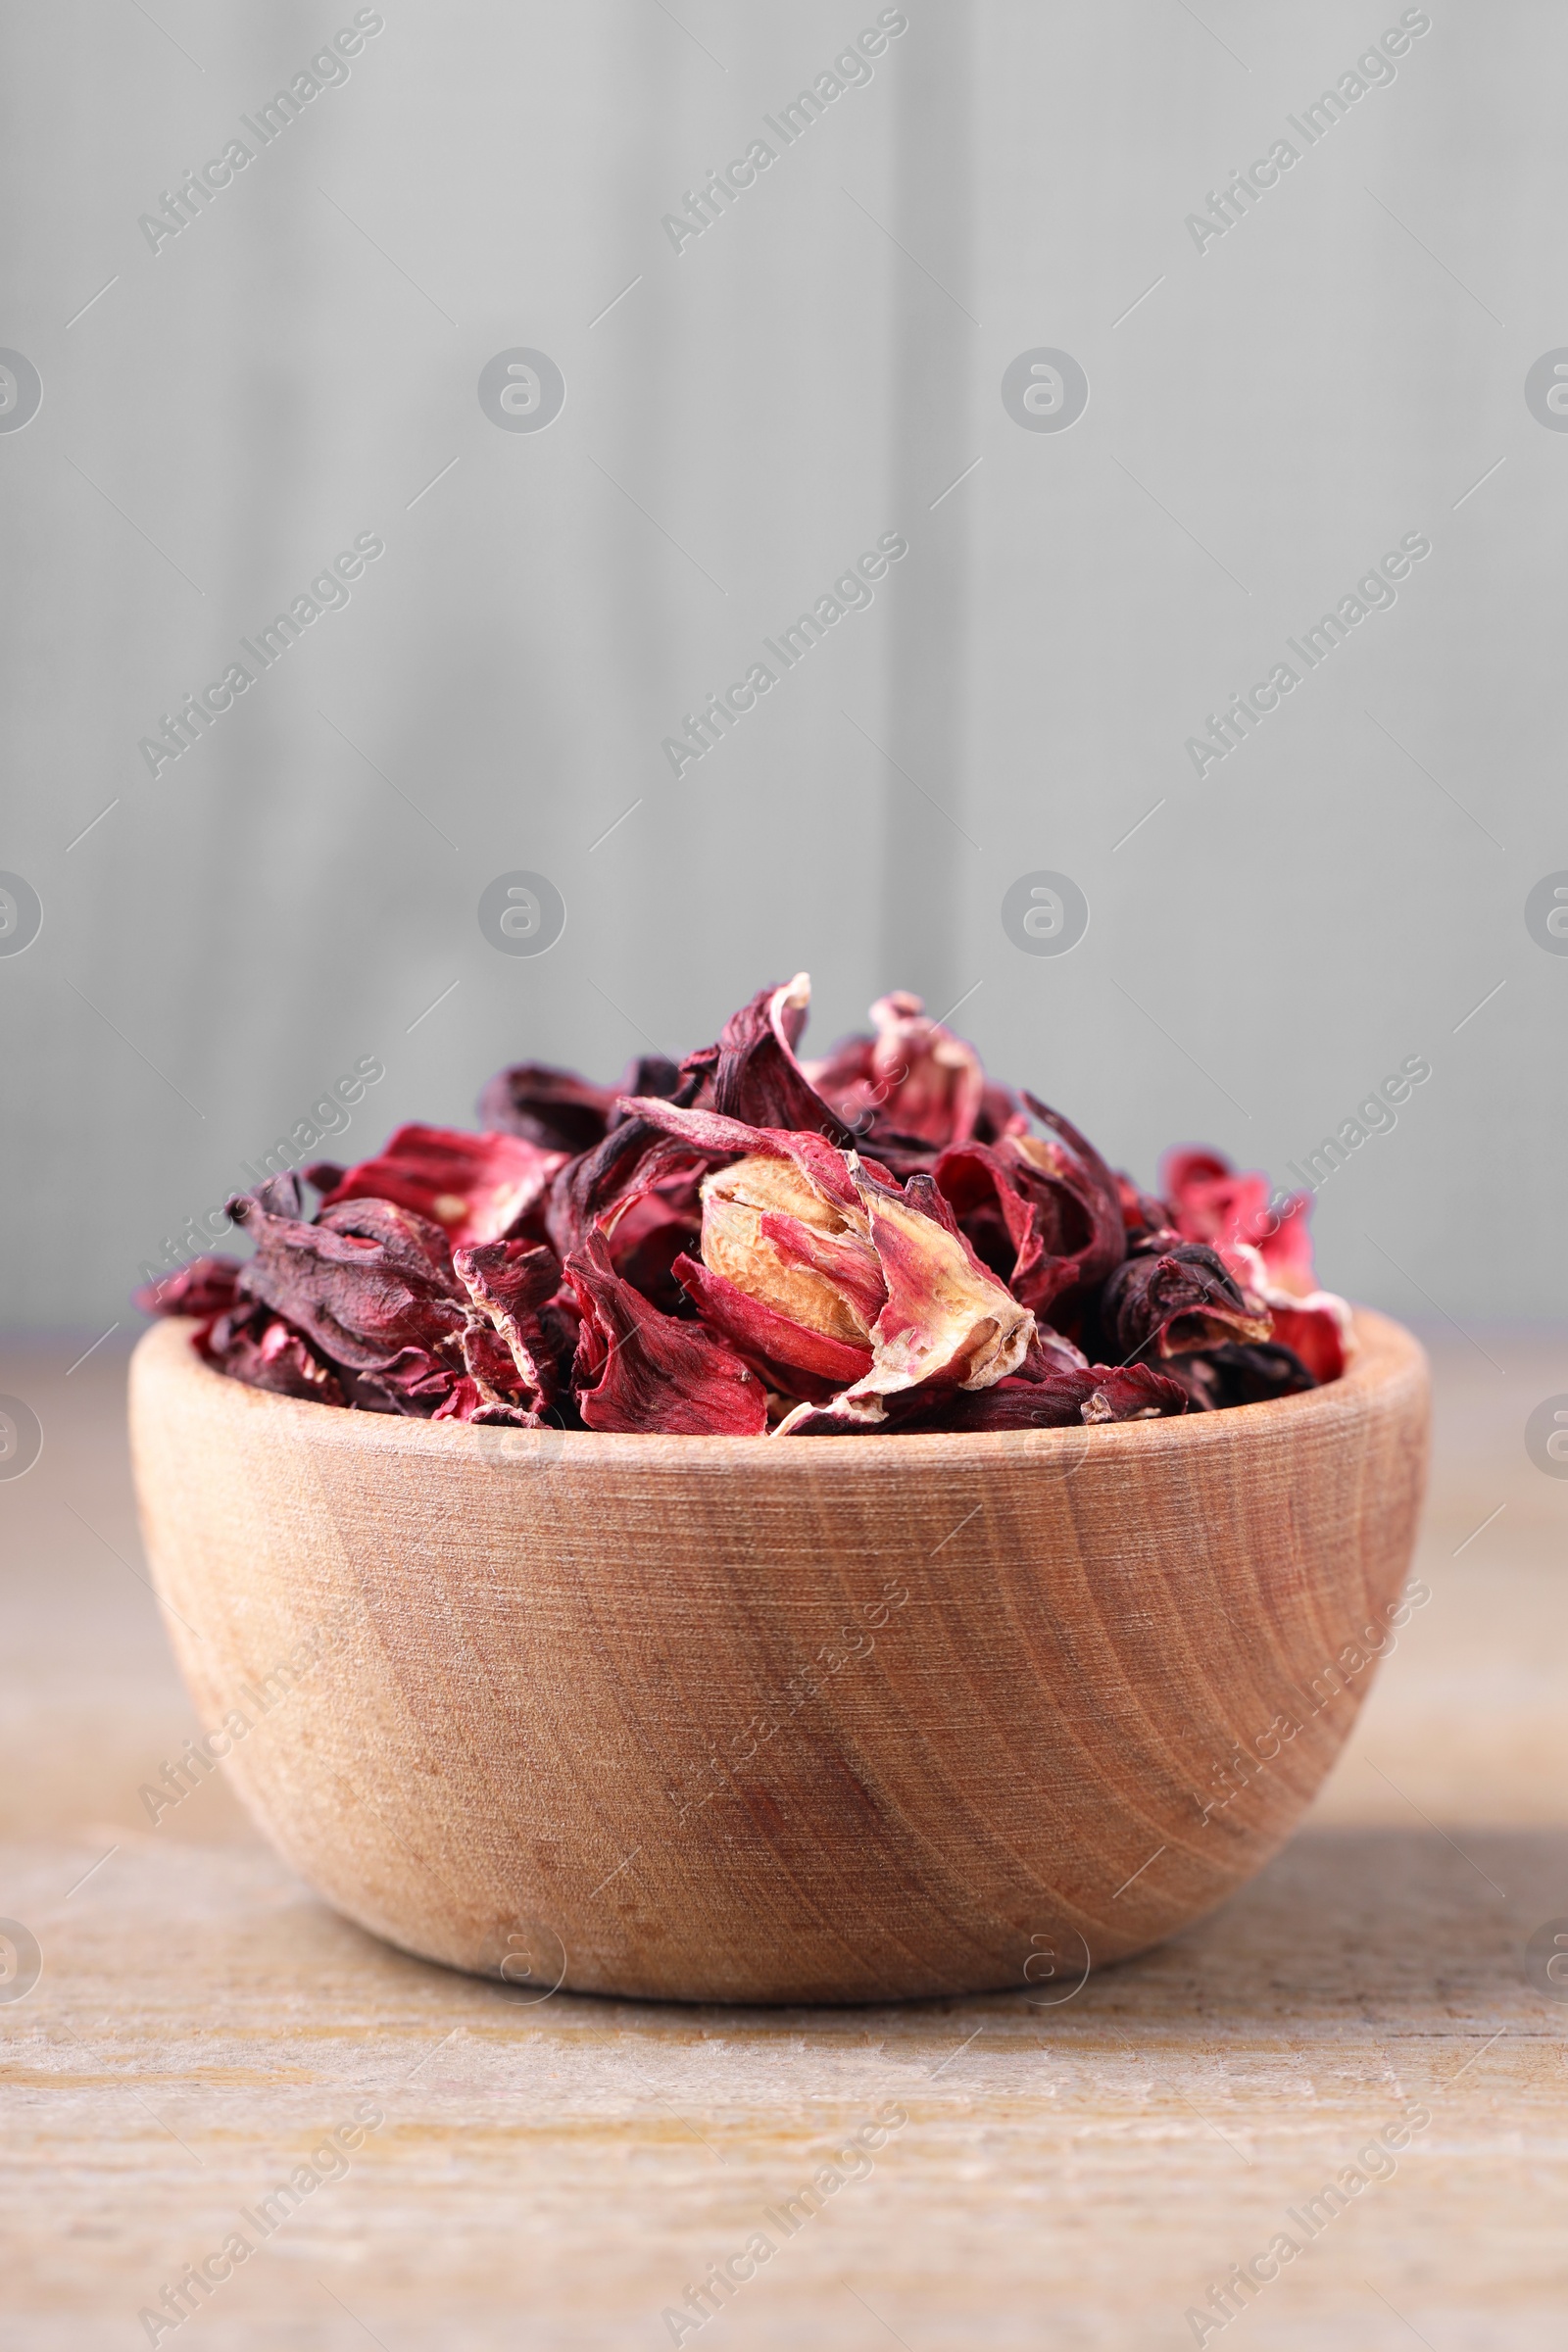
560,2174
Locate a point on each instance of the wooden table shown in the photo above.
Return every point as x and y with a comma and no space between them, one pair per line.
559,2173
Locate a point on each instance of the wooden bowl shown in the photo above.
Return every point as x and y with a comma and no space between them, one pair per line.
831,1719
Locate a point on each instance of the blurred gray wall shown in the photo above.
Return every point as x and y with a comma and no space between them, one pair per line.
1267,416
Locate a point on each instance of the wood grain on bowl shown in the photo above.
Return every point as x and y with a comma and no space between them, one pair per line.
773,1720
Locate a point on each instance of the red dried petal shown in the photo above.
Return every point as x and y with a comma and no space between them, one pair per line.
1070,1160
475,1186
638,1370
204,1287
794,1361
1132,1392
715,1139
1316,1330
473,1400
1050,1353
1210,1201
1142,1215
636,1159
1032,1213
914,1084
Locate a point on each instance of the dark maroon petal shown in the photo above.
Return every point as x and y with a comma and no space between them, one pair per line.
283,1194
1079,1165
509,1280
554,1108
638,1370
636,1157
256,1346
1069,1399
794,1361
755,1077
1251,1375
362,1284
416,1382
650,1074
1050,1353
202,1287
1142,1215
1176,1299
1053,1403
1132,1392
1035,1214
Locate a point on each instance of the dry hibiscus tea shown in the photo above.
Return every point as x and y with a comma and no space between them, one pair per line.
746,1242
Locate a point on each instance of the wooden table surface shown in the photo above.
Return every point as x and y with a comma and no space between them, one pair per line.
560,2173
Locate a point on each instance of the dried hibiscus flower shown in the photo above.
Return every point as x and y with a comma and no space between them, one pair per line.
882,1241
948,1323
1177,1300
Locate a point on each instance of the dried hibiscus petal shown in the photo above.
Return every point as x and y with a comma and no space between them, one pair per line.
416,1382
794,1359
476,1187
556,1110
490,1389
510,1283
788,1237
1032,1213
638,1370
1209,1200
599,1188
253,1344
364,1284
1089,1395
1251,1375
1144,1216
204,1287
1316,1330
562,1112
753,1073
911,1087
1050,1353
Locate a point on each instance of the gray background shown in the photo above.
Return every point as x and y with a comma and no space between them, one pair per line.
296,367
